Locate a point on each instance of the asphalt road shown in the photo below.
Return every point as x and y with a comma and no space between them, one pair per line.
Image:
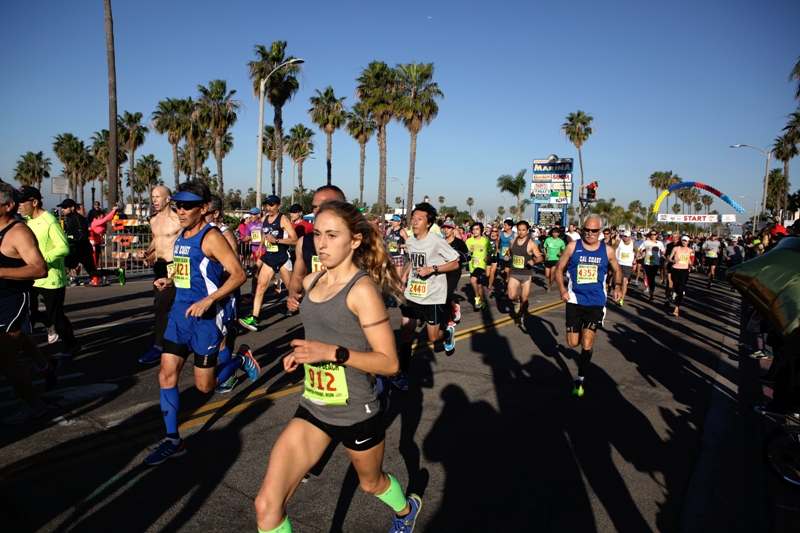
663,440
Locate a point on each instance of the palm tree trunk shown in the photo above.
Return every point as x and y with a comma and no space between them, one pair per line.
580,202
83,190
193,155
272,174
132,153
786,186
330,151
300,177
278,122
113,157
382,174
175,166
218,157
412,170
361,173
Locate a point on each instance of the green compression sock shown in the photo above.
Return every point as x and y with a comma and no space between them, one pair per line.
394,496
285,527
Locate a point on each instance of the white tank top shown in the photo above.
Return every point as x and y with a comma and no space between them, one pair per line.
625,255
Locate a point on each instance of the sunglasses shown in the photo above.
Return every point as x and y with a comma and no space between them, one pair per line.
188,206
592,230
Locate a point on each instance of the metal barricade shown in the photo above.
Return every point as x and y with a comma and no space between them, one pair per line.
122,245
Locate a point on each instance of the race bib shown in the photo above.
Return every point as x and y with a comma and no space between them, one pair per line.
476,261
683,259
711,254
624,256
183,277
648,259
587,274
255,235
171,270
272,248
518,261
326,384
418,288
393,248
316,264
504,250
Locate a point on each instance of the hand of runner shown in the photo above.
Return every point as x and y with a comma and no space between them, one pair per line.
163,283
424,272
306,351
565,296
293,301
198,309
617,293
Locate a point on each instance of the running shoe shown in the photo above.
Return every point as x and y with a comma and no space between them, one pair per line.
250,323
165,450
405,524
52,336
773,409
709,285
288,313
248,299
278,286
650,297
636,283
517,306
621,302
250,364
50,374
759,354
121,276
400,381
228,386
457,316
69,352
577,388
450,340
152,357
25,413
675,312
477,305
73,282
518,321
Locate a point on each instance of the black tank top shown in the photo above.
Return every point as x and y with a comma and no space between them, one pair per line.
520,256
274,228
12,287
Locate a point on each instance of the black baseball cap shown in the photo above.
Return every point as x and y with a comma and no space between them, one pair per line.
272,200
296,208
67,203
27,192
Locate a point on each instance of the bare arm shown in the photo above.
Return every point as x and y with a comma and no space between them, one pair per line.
561,269
299,272
20,243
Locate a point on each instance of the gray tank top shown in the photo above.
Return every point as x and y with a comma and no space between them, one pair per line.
332,322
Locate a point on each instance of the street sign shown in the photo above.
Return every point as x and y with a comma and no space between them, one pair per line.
59,186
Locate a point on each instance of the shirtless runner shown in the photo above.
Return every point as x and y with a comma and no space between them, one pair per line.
165,227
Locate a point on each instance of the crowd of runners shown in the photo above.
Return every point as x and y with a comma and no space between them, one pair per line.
342,274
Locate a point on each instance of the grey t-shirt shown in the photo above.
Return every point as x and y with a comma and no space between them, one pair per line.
427,252
734,253
711,248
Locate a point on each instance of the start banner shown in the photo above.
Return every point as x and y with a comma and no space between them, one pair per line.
664,217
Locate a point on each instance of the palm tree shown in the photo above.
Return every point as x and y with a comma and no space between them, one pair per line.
441,202
784,150
148,170
360,125
193,134
470,203
166,119
480,215
577,130
707,200
795,76
113,153
329,113
377,88
670,179
132,135
501,211
217,112
65,147
101,151
32,169
516,186
416,106
279,88
299,147
635,206
82,163
398,201
775,189
270,150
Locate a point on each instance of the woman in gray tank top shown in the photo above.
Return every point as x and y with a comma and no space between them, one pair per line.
349,339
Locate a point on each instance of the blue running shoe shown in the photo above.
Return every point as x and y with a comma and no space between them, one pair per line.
400,381
152,357
450,340
166,450
250,364
228,386
405,524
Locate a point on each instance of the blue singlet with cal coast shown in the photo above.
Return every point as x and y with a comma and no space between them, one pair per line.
586,273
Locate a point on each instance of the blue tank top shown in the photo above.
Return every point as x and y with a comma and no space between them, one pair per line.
196,276
505,243
274,228
586,273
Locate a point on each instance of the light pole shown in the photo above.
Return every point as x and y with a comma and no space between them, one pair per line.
504,202
402,193
262,87
307,156
766,173
755,211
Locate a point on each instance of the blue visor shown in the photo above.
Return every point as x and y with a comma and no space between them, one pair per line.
186,196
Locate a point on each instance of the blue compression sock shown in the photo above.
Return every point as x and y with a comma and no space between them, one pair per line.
226,370
224,355
170,400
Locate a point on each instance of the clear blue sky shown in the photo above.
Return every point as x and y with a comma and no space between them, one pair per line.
671,85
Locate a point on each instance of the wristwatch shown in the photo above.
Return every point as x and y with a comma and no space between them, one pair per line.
342,355
436,268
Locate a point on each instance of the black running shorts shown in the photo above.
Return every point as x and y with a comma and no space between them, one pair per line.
359,437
